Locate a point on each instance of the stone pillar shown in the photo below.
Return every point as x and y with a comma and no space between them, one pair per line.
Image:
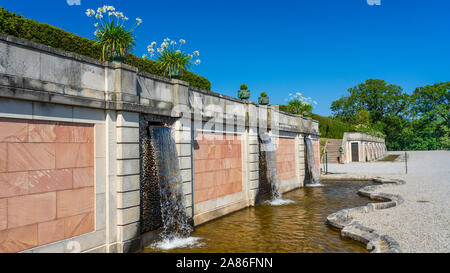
111,182
300,158
127,161
252,153
183,134
128,199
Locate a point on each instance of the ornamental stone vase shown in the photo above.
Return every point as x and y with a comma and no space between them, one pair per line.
115,56
244,94
263,100
175,73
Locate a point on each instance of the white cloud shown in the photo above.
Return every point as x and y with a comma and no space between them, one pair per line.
73,2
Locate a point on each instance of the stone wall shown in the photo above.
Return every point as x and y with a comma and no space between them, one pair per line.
84,110
370,147
46,182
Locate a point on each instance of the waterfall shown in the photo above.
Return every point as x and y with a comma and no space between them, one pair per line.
175,222
268,178
311,171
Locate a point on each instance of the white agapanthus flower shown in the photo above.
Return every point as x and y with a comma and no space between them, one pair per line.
190,56
166,40
96,25
153,44
164,45
139,21
99,16
196,53
173,43
182,41
90,12
125,18
97,32
197,62
144,56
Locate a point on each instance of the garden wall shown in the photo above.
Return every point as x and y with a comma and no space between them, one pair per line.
70,136
362,147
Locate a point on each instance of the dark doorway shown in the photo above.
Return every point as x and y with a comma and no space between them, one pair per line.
355,152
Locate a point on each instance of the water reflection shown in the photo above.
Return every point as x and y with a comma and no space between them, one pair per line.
297,227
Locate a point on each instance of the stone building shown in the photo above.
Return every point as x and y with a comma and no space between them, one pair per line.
362,147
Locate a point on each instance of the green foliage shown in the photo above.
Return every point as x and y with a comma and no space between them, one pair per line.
431,102
244,87
173,61
28,29
297,107
114,39
330,127
416,122
374,96
263,94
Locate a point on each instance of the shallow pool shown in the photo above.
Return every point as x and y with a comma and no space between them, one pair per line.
296,227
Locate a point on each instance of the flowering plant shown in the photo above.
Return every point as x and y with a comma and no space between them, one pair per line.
116,40
171,58
299,105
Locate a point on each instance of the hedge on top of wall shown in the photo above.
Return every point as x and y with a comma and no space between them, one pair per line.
42,33
331,128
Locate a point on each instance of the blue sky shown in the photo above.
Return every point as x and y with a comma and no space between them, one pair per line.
317,47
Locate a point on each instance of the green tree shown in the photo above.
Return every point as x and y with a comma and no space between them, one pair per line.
416,122
431,102
430,110
375,107
375,97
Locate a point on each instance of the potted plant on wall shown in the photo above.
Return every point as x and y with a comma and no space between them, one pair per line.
244,93
171,59
263,99
112,35
299,105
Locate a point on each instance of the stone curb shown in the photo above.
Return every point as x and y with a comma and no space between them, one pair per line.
353,229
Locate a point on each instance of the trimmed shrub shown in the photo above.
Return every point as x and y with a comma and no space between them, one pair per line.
42,33
331,128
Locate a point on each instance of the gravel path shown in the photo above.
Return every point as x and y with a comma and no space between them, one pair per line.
422,222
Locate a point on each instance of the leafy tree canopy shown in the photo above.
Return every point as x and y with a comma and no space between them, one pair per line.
373,96
409,122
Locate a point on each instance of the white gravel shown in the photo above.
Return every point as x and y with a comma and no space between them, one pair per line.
422,222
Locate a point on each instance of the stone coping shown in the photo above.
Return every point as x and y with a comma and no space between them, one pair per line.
360,136
352,229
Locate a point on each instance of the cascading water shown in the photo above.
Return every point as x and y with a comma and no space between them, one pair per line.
311,170
268,177
173,210
162,204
